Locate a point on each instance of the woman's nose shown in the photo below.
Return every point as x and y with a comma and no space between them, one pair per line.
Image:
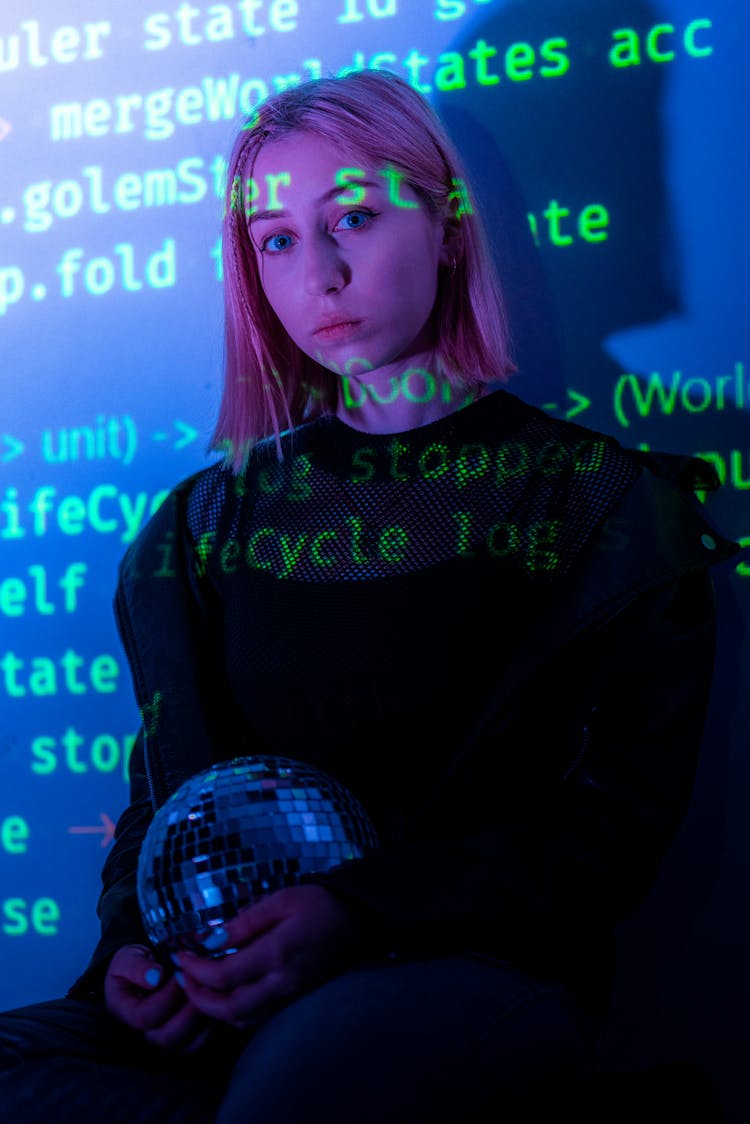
326,270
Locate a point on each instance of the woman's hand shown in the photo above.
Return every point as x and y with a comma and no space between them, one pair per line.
281,946
141,994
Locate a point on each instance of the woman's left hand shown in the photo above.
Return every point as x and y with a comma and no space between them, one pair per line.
286,943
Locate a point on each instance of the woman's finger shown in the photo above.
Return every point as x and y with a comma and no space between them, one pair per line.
246,1005
244,966
157,1008
183,1028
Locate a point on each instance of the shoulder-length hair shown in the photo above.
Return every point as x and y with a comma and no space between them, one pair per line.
269,383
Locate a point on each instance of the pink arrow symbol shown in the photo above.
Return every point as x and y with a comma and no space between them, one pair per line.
5,128
107,831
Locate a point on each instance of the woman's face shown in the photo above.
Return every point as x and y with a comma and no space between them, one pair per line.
348,256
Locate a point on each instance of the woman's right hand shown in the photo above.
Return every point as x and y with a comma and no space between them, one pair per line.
139,992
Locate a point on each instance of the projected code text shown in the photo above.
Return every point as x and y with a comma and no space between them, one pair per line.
37,592
106,510
42,676
21,917
666,394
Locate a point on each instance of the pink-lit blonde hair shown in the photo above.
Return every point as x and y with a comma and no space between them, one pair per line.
377,117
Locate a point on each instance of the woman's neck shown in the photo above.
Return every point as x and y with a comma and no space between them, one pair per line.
398,398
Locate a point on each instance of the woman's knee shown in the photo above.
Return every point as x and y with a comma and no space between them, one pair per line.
426,1040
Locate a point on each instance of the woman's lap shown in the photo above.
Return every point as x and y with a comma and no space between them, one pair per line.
433,1040
405,1040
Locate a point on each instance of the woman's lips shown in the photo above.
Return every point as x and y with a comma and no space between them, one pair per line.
337,331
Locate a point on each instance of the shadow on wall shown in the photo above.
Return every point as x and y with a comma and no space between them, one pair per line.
578,145
552,147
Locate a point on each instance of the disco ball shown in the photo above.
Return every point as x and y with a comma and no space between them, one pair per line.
238,831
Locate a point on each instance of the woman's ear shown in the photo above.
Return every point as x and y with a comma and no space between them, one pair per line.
458,205
452,245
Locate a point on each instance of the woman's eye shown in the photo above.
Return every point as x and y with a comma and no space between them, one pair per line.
275,243
353,220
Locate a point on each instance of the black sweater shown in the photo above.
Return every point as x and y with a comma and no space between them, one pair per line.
496,629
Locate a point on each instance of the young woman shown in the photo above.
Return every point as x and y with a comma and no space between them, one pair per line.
496,628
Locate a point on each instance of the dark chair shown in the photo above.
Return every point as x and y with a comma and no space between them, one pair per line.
663,1092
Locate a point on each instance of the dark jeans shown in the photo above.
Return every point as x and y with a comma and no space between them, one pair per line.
436,1040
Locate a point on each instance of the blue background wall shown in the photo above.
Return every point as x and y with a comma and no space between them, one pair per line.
608,142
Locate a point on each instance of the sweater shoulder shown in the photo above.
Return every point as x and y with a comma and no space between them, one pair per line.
205,496
687,472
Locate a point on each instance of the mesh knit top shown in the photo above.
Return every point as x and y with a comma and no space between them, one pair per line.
372,586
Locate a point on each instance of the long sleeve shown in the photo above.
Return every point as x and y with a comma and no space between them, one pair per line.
541,875
164,627
118,909
543,826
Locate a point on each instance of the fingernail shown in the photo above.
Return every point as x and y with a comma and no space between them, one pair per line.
153,977
180,978
216,939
